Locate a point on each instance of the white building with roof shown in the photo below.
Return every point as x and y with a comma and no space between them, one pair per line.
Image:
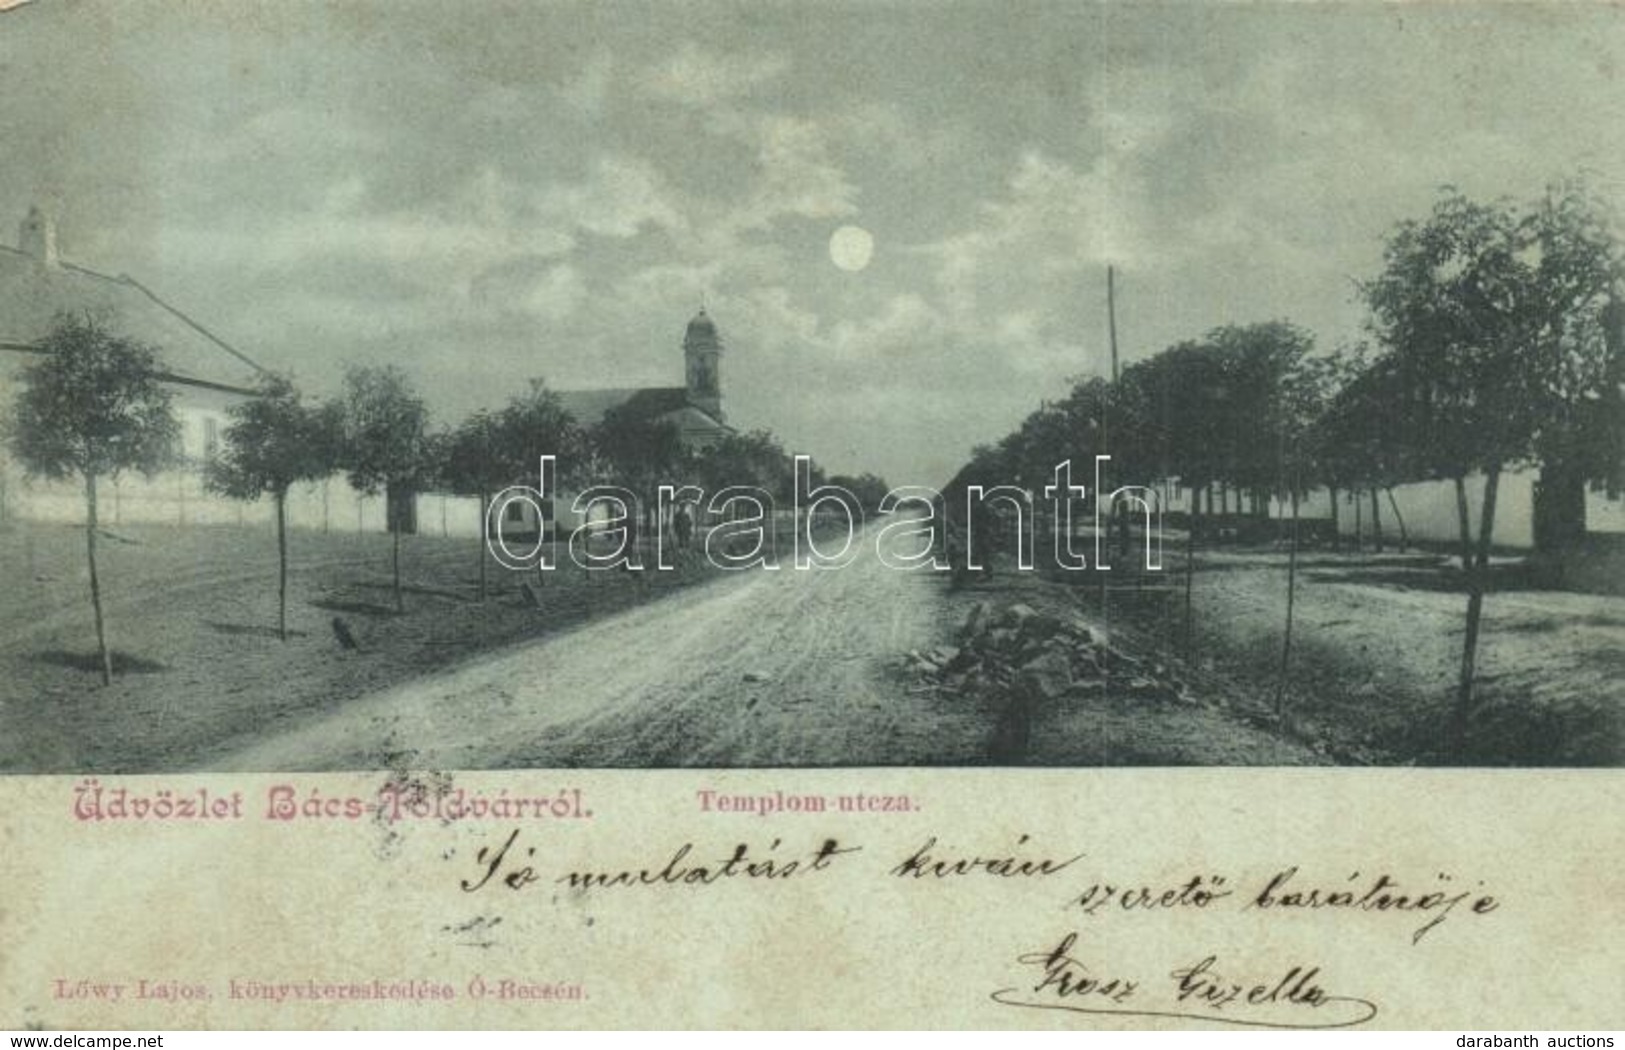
206,374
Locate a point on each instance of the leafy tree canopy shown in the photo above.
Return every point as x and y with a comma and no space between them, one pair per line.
94,405
274,440
386,431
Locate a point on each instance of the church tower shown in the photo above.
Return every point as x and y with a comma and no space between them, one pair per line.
702,352
37,238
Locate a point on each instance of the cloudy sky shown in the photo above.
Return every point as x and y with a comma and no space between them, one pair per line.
488,191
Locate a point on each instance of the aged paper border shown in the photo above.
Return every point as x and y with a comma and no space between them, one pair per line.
337,900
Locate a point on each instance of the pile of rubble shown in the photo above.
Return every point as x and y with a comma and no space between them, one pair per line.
1022,655
1021,663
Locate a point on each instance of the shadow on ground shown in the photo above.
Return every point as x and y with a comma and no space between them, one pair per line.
123,663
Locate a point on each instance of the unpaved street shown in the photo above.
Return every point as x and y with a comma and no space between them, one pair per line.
767,668
671,669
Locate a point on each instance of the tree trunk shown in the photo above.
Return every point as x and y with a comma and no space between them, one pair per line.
1464,680
485,503
1337,525
1486,524
91,525
400,602
541,577
1399,519
1464,525
1376,522
1476,567
1291,594
282,564
1354,498
1190,576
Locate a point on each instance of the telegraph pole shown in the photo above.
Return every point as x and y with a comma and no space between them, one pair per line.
1111,316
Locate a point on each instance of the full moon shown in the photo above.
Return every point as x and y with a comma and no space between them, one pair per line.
851,247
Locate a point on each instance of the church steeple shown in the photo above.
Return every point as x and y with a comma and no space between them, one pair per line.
702,354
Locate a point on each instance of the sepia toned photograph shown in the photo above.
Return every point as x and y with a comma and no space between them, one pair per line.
711,385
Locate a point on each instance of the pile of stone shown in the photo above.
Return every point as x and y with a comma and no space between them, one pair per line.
1025,655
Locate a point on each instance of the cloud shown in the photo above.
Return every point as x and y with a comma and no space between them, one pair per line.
1031,245
906,326
798,175
619,198
558,294
695,76
793,174
589,90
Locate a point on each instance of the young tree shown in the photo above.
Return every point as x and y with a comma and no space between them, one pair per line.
6,427
754,459
273,441
1496,317
468,464
1571,259
386,445
93,408
640,453
534,424
1357,443
1303,392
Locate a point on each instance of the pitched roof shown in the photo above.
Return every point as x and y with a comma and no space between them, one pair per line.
590,406
670,403
31,295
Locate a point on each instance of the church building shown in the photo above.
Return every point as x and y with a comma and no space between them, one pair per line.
695,409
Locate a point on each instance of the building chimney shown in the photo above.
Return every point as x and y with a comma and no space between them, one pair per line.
37,238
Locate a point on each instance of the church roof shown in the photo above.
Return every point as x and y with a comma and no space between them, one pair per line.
671,404
589,407
32,294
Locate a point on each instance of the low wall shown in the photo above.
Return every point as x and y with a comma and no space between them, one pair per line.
1429,510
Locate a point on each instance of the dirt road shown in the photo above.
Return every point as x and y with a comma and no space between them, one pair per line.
673,669
769,668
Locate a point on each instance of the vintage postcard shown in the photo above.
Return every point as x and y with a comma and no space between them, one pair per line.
704,514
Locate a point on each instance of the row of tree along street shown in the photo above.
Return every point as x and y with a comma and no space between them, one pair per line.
1497,342
94,406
